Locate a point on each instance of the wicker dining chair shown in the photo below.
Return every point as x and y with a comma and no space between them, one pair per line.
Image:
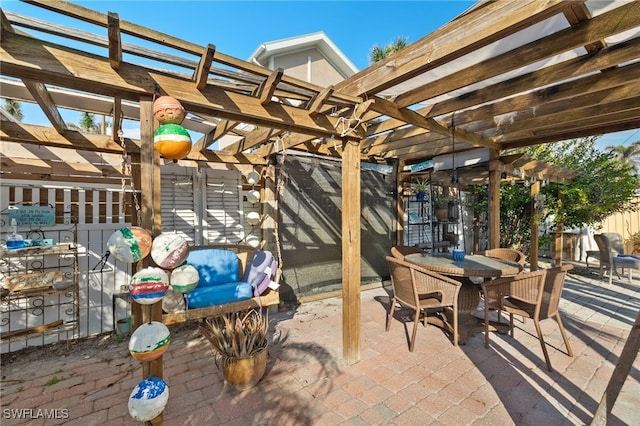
509,254
421,290
534,295
399,252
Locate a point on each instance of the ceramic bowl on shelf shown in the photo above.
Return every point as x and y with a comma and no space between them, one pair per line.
457,255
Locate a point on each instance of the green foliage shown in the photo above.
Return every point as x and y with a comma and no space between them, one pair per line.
378,53
14,108
52,381
605,184
237,334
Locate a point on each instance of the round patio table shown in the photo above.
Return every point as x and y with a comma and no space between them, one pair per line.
469,295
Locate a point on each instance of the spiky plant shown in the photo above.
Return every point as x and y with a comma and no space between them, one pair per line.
237,334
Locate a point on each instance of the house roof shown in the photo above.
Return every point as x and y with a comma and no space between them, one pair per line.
319,40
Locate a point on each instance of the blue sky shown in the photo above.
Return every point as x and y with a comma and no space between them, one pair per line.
237,28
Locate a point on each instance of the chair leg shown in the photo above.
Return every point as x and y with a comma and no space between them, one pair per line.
392,309
511,324
455,325
486,324
415,329
544,347
564,335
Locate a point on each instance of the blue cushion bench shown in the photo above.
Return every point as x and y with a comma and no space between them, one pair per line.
232,278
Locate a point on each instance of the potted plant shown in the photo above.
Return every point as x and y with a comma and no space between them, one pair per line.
421,186
441,208
241,345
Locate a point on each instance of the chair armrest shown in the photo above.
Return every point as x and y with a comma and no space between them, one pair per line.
427,282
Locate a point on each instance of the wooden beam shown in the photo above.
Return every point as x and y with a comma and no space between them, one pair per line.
201,74
46,136
252,140
319,100
482,26
351,250
618,377
610,23
115,42
72,68
570,69
42,97
268,87
409,116
88,15
5,24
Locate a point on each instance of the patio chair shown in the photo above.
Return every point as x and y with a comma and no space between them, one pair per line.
509,254
399,252
421,290
534,295
612,257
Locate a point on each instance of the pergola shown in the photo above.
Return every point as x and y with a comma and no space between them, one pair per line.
503,75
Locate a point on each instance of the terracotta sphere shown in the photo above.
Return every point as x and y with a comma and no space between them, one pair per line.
168,110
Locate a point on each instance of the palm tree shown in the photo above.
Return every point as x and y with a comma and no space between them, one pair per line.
378,53
87,122
627,153
14,108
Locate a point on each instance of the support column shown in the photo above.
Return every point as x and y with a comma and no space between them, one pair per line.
150,220
557,244
495,168
351,251
269,212
533,249
398,220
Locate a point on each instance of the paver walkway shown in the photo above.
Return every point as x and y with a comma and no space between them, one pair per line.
308,384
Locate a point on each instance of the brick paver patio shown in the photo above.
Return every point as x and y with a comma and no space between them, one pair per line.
308,384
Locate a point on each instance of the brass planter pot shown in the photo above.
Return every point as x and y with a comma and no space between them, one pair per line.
245,372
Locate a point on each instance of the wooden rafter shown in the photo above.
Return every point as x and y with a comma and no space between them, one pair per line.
115,42
612,22
318,101
201,74
266,90
476,29
91,74
41,95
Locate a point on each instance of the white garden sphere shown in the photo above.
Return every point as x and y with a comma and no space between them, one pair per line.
149,285
149,341
253,218
148,399
253,196
253,178
184,278
169,250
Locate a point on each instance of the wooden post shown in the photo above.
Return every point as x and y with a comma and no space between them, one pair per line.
398,219
151,218
494,200
351,251
620,373
557,244
269,211
533,249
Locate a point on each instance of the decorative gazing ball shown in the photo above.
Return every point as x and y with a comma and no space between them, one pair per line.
253,196
169,250
148,399
253,218
130,244
149,285
172,141
149,341
184,278
168,110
